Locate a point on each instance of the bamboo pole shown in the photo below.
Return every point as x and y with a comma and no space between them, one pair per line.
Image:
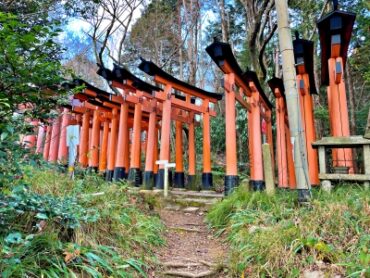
293,106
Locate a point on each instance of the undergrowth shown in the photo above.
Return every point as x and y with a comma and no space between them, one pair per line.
274,237
51,226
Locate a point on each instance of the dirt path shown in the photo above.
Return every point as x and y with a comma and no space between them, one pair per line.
191,248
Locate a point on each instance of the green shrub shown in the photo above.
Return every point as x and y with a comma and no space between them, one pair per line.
274,237
56,227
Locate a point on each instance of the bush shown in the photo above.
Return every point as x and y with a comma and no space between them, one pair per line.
274,237
56,227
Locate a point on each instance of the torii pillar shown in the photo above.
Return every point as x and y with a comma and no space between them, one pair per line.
62,151
120,170
191,152
104,147
112,145
54,140
207,179
151,148
93,159
335,30
179,179
84,140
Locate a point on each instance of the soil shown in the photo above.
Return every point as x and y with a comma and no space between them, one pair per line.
191,245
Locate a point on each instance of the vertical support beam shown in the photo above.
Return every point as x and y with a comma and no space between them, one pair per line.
40,138
94,143
257,182
281,147
54,141
231,177
63,151
151,148
270,140
47,142
290,158
155,157
119,170
192,156
29,141
165,135
134,172
84,140
339,121
112,145
104,147
207,179
310,133
179,180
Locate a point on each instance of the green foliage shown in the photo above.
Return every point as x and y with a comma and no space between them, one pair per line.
273,236
56,227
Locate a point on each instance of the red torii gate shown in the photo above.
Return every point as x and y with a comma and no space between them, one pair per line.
335,30
251,96
171,83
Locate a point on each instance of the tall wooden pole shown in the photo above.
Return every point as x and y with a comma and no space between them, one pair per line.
293,106
119,170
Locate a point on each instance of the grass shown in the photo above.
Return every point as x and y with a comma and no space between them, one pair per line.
274,237
82,228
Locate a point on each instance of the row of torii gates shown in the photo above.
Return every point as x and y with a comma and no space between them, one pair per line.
104,131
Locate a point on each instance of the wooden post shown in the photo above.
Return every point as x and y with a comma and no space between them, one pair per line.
257,181
192,155
94,143
63,151
207,180
290,159
231,177
84,140
29,141
119,170
281,147
151,148
155,157
112,145
134,172
54,141
310,133
165,135
179,179
339,119
47,143
40,138
104,147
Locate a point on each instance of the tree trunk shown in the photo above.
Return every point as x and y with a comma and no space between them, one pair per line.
289,75
224,29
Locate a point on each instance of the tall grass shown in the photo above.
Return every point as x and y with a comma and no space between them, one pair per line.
274,237
113,232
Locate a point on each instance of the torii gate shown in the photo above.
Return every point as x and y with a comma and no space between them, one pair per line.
284,148
171,83
147,101
251,96
303,55
335,30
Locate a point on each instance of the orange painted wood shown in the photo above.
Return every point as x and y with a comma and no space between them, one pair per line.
112,145
136,138
84,140
54,140
183,89
104,147
155,152
151,145
255,121
281,148
166,126
40,138
122,136
206,143
63,150
95,138
47,143
179,146
310,132
191,146
270,138
339,118
230,117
